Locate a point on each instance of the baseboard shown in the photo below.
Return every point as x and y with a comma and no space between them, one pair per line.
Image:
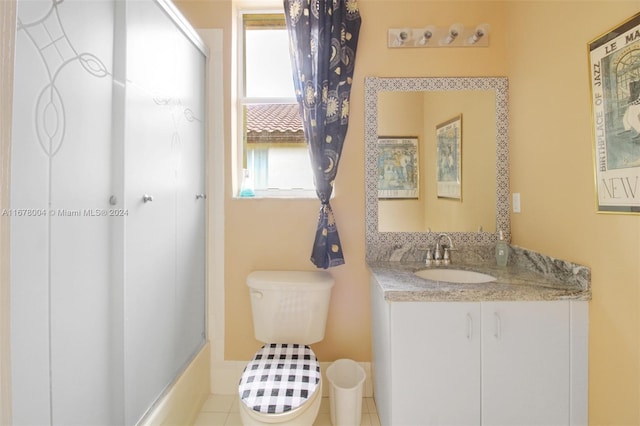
225,376
182,403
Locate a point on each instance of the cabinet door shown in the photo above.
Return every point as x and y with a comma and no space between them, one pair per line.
525,363
435,363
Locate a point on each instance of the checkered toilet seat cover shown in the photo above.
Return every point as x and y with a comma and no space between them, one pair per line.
279,378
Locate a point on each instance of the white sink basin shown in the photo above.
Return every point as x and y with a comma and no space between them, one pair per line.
455,276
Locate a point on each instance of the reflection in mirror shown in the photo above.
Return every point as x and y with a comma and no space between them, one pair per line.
419,114
414,107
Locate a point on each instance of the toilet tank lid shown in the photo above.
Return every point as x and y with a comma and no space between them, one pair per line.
311,280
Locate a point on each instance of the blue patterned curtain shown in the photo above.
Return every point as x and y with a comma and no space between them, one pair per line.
324,37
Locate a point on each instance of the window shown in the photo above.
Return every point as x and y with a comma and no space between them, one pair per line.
273,146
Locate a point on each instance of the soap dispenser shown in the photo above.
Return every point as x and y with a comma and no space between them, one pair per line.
246,189
502,251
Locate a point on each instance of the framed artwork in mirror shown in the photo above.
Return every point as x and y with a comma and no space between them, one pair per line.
398,165
449,158
615,105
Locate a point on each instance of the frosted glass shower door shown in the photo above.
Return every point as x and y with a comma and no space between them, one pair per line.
164,186
108,209
61,278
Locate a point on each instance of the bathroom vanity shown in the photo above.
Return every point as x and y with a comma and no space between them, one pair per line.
447,350
513,351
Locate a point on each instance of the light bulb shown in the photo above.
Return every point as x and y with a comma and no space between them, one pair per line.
427,33
454,31
402,37
481,31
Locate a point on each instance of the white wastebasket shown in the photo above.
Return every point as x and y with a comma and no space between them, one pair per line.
346,378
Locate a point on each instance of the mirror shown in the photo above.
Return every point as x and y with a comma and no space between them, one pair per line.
401,110
466,202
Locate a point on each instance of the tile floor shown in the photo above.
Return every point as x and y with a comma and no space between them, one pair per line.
222,410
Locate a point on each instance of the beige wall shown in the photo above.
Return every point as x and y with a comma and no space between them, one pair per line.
552,167
544,55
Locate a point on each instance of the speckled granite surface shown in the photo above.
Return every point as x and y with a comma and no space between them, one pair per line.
528,276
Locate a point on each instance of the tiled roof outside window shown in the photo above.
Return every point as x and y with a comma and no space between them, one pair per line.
271,123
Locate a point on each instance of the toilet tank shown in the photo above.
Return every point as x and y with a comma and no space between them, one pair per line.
289,306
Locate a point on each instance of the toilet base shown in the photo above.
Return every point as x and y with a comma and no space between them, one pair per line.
304,415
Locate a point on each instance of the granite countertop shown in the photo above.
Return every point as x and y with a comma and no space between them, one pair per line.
530,276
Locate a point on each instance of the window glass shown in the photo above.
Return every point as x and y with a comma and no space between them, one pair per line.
268,64
274,149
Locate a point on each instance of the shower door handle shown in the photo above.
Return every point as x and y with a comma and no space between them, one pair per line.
147,198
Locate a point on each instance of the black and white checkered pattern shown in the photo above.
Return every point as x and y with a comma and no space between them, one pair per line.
279,378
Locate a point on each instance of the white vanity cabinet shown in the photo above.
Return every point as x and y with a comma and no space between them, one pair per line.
479,363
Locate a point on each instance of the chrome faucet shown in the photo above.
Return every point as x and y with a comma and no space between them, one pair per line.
442,254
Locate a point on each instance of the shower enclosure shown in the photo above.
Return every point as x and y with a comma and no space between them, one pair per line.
107,208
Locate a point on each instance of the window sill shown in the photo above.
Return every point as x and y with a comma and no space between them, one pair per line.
289,194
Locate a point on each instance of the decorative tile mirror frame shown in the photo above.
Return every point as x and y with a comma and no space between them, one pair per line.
376,240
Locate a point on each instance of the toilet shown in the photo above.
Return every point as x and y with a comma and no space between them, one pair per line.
282,384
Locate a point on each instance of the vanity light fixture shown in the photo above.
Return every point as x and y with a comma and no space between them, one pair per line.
455,35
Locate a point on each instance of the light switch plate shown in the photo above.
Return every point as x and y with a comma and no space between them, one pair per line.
516,202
